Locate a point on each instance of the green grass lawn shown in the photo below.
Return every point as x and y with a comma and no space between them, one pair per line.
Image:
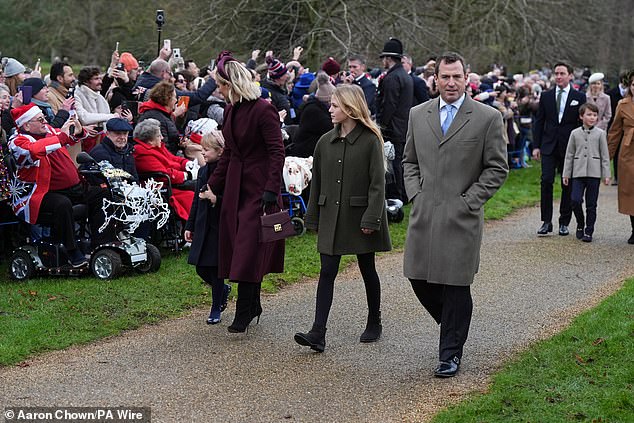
584,374
51,313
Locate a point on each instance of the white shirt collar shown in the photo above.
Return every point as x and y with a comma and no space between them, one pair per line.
566,89
456,103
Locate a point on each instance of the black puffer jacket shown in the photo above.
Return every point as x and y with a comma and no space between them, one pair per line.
153,110
314,121
121,159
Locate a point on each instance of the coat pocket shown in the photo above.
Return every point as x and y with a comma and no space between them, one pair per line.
322,200
358,201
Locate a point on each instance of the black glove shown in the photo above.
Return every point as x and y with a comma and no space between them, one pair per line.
269,198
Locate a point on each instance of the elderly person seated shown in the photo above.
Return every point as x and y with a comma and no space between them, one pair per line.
151,155
115,148
48,184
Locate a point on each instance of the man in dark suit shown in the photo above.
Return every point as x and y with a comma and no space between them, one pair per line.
616,94
421,94
356,65
393,102
557,116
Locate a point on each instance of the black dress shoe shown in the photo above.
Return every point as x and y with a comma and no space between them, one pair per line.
587,238
579,233
563,230
545,228
447,368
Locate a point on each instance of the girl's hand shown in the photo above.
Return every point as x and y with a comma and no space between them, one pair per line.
367,231
189,236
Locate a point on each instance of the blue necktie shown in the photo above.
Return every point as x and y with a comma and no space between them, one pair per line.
447,123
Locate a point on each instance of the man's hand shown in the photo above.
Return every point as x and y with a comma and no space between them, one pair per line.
68,104
607,181
367,231
121,74
282,114
165,53
255,54
114,59
565,180
188,236
297,52
537,154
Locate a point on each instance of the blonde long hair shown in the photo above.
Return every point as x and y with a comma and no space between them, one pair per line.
352,102
241,85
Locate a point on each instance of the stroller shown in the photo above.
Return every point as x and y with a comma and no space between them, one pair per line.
297,175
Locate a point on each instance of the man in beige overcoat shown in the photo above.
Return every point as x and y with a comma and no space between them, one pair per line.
454,161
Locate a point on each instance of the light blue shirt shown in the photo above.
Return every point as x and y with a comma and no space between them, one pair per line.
443,109
564,97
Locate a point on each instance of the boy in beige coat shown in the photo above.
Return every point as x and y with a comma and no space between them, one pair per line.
587,161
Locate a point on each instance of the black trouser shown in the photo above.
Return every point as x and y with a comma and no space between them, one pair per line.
451,307
397,189
56,211
552,163
591,188
209,274
326,286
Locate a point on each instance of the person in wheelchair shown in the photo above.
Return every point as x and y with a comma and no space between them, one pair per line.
47,183
115,148
151,155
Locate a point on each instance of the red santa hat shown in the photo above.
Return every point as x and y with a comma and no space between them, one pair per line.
23,114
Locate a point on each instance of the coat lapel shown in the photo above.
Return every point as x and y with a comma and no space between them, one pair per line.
433,118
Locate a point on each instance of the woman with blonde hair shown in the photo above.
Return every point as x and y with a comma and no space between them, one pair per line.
248,177
596,96
347,207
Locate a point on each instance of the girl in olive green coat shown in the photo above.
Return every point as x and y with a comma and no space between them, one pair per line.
347,208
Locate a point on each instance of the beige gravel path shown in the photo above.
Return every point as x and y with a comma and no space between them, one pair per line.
527,289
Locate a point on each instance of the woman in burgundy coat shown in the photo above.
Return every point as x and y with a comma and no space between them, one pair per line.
248,176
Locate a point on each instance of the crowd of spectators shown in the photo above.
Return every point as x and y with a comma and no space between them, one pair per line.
164,99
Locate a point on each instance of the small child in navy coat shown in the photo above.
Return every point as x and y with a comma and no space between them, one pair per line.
201,228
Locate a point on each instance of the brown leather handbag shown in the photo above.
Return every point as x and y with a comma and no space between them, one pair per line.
276,226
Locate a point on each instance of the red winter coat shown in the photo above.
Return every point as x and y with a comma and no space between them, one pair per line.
159,159
34,169
251,164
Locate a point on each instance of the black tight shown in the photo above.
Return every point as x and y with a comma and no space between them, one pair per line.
326,286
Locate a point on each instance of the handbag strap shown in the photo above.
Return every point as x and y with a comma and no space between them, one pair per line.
264,210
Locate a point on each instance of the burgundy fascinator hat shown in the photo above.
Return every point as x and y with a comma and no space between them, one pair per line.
224,57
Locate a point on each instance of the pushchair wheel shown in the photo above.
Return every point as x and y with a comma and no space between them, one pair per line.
298,225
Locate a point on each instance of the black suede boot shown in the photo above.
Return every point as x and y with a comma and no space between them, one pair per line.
315,338
246,307
373,329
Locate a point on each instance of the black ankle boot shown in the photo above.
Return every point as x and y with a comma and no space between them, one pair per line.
373,330
247,307
315,338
